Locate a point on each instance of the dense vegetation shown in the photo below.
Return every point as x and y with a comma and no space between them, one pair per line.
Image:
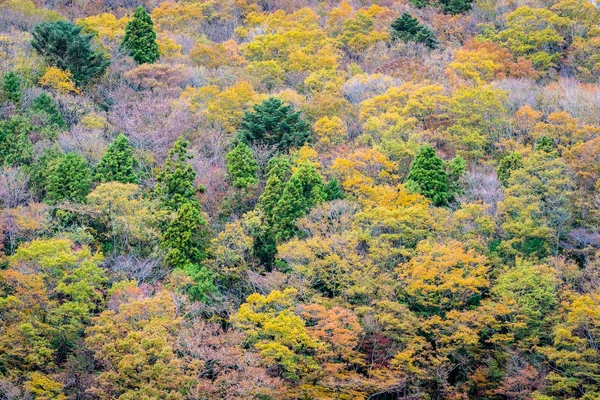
278,199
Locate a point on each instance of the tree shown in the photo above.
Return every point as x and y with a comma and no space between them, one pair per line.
242,166
407,29
456,6
15,146
11,86
176,179
69,179
455,170
507,165
183,238
428,176
118,163
275,124
44,107
140,38
63,45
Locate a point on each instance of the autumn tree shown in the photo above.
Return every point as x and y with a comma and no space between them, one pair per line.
140,38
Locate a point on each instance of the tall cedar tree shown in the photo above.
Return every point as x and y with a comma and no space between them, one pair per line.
45,106
428,175
63,45
140,38
69,179
176,179
184,236
275,124
242,166
11,87
118,163
407,29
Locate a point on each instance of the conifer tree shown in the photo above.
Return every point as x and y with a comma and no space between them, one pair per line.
276,124
11,87
456,169
407,29
334,190
15,146
44,106
140,38
63,45
456,6
69,179
242,166
118,163
184,238
428,176
176,179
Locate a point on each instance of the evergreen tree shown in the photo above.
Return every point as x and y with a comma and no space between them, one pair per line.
456,6
545,144
407,29
63,45
428,176
40,170
176,179
11,87
301,193
118,163
15,146
69,179
184,237
334,190
276,124
44,108
510,163
140,38
242,166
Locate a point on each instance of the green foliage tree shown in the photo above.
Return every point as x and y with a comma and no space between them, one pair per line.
15,146
242,166
275,124
407,29
456,169
11,87
184,237
118,163
47,120
511,162
69,179
429,177
176,179
140,38
39,170
456,6
334,190
63,45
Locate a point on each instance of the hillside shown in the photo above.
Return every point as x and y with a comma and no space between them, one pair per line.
278,199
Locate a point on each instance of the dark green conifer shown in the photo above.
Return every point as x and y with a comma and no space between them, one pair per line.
276,124
63,45
15,146
140,38
407,29
118,163
428,177
69,179
11,87
507,165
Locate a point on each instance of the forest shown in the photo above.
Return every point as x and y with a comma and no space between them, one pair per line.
288,199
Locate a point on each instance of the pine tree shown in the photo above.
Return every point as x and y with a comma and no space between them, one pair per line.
507,165
407,29
176,179
69,179
456,6
140,38
427,174
118,163
276,124
11,87
242,166
63,45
